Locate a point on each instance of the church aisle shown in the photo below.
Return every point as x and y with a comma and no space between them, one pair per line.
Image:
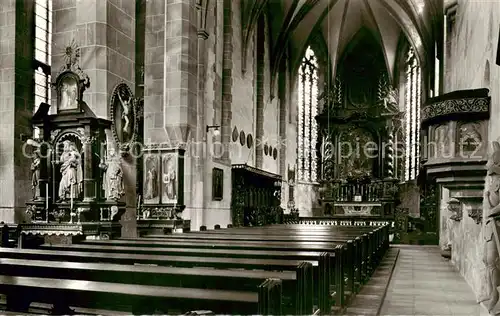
424,283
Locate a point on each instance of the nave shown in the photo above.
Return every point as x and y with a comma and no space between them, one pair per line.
287,269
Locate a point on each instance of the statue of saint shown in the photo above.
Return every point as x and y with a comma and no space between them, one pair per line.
126,109
490,230
35,173
113,176
71,172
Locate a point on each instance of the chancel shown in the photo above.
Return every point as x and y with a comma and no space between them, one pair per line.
251,157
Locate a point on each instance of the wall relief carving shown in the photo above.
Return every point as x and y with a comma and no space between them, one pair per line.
464,105
469,139
441,141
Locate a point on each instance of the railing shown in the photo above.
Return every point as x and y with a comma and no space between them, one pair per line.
359,192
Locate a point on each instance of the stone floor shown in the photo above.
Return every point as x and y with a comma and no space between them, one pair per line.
424,283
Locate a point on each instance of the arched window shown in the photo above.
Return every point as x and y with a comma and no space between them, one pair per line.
43,51
307,125
413,99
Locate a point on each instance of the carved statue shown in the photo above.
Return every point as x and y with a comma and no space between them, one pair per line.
113,176
490,230
126,109
71,172
390,100
449,225
35,175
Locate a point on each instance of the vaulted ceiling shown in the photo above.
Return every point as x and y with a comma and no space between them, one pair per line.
293,22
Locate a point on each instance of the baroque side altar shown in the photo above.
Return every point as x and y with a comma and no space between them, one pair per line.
77,177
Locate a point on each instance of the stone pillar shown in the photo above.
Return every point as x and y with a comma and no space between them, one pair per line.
227,78
171,88
259,126
170,72
283,142
201,181
16,106
104,30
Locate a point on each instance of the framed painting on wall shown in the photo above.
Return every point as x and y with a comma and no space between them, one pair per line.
151,179
217,184
170,177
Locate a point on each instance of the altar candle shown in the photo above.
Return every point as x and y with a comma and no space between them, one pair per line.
71,198
47,195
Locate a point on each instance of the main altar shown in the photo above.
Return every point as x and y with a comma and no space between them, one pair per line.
357,125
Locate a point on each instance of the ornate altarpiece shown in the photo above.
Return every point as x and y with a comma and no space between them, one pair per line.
72,146
162,201
357,124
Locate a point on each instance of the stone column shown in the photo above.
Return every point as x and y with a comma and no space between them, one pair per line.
259,126
104,30
201,182
171,63
16,106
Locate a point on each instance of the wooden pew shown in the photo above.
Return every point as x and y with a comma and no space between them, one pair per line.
137,299
297,285
262,254
127,258
123,258
374,242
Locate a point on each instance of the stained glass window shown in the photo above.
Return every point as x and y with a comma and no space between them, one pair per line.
43,52
413,99
307,125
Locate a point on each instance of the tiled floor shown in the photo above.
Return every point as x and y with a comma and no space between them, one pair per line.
424,283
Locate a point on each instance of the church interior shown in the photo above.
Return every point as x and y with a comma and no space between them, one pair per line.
270,157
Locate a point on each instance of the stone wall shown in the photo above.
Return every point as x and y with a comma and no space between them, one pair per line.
16,107
472,65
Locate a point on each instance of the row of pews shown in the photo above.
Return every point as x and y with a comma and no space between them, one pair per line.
271,270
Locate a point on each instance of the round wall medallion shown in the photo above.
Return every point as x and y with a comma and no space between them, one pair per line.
242,138
266,149
249,140
275,153
235,134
